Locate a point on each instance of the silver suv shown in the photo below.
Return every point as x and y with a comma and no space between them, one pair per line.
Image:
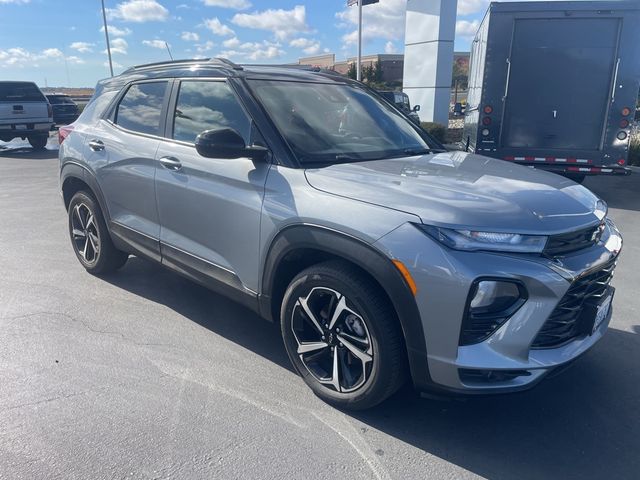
24,113
306,197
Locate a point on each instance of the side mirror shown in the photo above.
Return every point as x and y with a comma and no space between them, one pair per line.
416,108
227,143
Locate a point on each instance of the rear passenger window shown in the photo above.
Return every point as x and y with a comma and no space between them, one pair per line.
140,108
207,105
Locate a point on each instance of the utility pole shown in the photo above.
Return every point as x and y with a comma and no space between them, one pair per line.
359,66
106,35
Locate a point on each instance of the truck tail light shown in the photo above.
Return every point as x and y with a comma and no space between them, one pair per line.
63,132
488,109
621,162
486,121
626,111
622,135
624,123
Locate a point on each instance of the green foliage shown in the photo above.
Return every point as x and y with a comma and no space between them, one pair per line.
377,72
460,75
436,130
368,74
634,150
352,73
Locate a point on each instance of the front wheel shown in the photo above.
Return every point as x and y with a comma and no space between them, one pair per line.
343,336
38,142
89,236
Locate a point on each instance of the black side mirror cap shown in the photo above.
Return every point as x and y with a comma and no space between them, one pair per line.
227,143
416,108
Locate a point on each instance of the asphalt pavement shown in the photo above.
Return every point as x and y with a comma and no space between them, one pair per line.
145,375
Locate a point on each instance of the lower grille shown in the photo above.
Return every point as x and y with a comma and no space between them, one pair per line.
564,324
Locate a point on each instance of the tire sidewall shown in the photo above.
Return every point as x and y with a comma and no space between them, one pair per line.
300,287
82,197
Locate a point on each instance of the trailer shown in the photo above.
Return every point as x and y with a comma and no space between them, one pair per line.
554,85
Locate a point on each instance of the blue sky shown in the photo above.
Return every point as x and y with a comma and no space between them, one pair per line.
62,41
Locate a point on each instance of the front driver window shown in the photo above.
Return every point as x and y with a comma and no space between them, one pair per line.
207,105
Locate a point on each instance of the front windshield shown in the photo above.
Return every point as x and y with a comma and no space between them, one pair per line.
328,123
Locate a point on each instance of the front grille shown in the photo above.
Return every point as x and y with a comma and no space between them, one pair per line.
565,322
573,241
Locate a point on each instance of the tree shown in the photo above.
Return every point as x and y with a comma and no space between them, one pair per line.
368,74
377,72
352,73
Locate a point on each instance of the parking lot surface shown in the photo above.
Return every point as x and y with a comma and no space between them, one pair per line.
142,374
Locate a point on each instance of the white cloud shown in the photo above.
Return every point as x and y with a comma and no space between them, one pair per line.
190,36
52,53
115,64
20,57
82,47
217,27
117,32
235,4
15,1
283,23
307,45
155,43
255,51
467,7
139,11
205,47
465,28
118,45
389,47
385,20
231,42
74,60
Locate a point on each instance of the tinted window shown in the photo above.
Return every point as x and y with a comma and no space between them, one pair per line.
59,99
20,92
205,106
140,108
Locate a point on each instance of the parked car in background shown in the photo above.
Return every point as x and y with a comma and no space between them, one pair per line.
383,257
65,110
401,101
24,113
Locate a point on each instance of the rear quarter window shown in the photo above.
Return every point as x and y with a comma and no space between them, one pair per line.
20,92
141,107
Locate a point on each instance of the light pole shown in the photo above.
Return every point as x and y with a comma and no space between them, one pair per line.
106,35
359,66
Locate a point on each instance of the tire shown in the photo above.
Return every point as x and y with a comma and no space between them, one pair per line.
90,238
38,142
364,379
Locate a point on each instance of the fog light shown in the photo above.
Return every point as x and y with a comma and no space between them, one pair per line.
485,132
622,135
491,304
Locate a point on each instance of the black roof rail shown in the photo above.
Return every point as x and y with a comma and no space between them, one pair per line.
219,61
296,66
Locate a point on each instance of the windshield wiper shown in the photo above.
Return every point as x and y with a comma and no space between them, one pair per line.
421,151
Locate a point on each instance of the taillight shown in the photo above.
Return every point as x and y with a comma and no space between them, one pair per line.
621,162
488,109
49,110
63,132
486,121
626,111
624,123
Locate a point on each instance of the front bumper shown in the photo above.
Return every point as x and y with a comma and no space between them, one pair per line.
444,278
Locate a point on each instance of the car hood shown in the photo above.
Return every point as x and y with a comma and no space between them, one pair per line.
462,190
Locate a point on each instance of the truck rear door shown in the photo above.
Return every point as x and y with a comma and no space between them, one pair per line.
561,70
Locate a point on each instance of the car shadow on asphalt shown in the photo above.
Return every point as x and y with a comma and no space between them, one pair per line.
28,153
582,423
208,309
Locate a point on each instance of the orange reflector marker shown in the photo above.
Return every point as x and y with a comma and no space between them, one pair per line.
407,276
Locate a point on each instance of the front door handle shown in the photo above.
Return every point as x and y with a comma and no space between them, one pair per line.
96,145
171,163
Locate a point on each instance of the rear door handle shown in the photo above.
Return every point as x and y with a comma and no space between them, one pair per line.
96,145
171,163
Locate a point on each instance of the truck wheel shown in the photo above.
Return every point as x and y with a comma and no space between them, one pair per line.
343,336
90,238
38,142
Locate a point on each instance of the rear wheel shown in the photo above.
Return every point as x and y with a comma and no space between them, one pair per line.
38,142
342,336
89,236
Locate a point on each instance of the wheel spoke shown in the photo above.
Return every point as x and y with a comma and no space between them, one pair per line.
78,233
85,248
94,243
363,341
335,374
78,214
311,347
90,222
364,357
341,307
310,315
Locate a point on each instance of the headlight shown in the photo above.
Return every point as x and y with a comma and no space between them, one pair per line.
471,240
